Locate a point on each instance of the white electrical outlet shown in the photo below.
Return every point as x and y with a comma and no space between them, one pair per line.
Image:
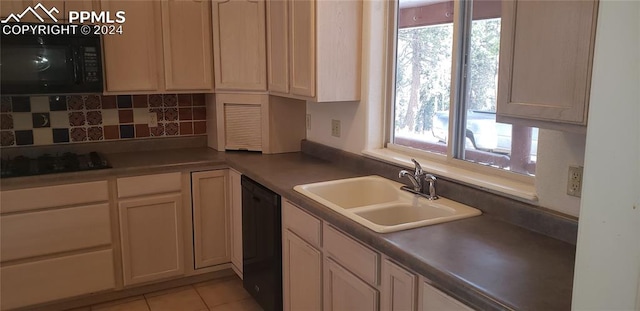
308,122
153,119
335,128
574,184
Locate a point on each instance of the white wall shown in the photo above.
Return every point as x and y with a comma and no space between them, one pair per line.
607,268
556,152
363,125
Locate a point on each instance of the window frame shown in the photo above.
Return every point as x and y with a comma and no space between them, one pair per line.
447,165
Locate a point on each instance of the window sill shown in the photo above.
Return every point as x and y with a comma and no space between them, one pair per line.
516,189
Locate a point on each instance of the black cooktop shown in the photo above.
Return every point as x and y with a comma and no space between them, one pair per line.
50,164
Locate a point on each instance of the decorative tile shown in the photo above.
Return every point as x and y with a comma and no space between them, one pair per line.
76,118
157,131
5,103
125,116
172,129
95,133
39,104
22,121
124,101
169,100
111,132
57,103
170,114
20,104
94,117
159,112
40,119
24,137
61,135
110,117
199,113
155,100
185,114
78,134
140,101
186,128
6,121
92,102
42,136
109,102
75,102
142,130
140,115
59,119
198,100
200,127
7,138
184,100
127,131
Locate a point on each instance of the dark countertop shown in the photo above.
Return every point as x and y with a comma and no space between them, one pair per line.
488,263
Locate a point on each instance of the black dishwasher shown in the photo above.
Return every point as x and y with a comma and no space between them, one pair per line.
262,244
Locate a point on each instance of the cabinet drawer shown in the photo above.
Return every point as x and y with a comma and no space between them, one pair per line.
301,223
354,256
433,299
57,278
148,184
54,231
53,196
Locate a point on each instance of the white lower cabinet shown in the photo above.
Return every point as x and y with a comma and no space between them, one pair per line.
345,291
210,218
235,196
302,275
354,276
398,288
433,299
151,234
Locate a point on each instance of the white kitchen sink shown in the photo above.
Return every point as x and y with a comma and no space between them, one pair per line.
380,205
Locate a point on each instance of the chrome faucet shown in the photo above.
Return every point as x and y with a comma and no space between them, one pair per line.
432,186
416,178
416,181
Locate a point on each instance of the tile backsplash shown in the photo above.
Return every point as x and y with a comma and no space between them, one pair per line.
46,120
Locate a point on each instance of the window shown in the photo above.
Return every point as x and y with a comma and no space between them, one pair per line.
447,55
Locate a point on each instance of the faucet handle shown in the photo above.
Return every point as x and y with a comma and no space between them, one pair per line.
419,170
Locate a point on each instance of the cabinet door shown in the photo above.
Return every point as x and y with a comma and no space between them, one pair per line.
435,300
81,5
235,195
545,60
14,7
150,233
398,288
345,291
133,60
186,33
210,218
302,281
239,44
303,66
278,45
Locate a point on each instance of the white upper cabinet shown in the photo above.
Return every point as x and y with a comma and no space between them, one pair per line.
314,49
545,62
239,45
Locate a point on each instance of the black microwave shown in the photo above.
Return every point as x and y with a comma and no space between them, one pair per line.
62,63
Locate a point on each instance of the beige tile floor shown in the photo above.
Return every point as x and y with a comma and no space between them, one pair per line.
225,294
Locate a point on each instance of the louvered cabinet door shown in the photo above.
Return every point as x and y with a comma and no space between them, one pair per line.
242,121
